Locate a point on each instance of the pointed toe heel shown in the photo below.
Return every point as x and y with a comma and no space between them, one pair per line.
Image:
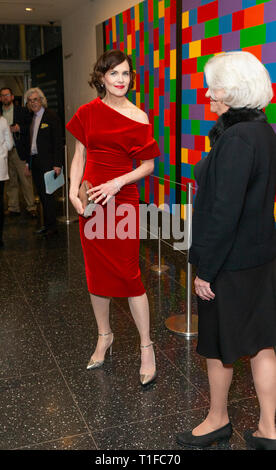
96,364
258,443
147,379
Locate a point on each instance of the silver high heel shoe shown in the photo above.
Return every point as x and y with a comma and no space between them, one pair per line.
95,364
147,379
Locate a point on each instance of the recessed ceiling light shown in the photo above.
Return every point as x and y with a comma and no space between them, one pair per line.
29,9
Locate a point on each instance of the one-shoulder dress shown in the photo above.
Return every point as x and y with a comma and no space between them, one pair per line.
112,141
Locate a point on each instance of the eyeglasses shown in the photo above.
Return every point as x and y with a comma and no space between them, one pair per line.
35,100
3,96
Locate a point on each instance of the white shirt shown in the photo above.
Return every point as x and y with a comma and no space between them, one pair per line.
6,144
36,123
8,115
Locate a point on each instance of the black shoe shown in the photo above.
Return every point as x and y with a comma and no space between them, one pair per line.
13,213
32,214
50,232
187,439
41,231
259,443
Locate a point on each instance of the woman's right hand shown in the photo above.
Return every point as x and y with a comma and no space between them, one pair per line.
77,204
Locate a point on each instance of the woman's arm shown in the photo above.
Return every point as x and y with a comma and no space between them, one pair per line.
110,188
76,173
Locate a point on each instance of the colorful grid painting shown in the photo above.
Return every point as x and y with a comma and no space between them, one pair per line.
208,28
147,32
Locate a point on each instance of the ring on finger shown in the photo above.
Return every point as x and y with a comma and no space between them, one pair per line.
104,195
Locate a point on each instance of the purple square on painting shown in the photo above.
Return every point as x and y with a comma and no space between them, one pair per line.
188,141
186,81
190,4
227,7
198,31
231,41
269,53
197,111
270,11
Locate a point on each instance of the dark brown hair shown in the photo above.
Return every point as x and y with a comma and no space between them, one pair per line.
107,61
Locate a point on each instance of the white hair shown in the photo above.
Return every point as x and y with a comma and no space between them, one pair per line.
243,78
40,94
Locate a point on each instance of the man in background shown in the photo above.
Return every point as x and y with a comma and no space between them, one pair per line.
45,153
19,120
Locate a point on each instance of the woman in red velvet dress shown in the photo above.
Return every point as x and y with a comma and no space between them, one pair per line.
112,132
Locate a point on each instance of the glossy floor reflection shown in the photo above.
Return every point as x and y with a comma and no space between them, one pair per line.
48,400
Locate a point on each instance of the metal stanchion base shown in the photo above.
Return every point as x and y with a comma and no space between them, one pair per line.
159,269
63,219
178,324
61,199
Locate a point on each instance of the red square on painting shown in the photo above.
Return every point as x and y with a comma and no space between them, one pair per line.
238,20
187,35
189,65
209,116
207,12
200,143
274,91
200,96
211,45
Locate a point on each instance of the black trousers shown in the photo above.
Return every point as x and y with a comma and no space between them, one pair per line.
47,200
2,183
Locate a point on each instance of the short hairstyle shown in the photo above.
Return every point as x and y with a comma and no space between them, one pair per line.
107,61
6,88
40,94
244,79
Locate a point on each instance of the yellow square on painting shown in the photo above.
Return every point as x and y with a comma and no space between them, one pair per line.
173,64
161,9
184,155
129,44
195,49
113,29
185,19
161,194
156,59
207,144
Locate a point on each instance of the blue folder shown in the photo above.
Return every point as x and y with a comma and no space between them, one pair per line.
52,183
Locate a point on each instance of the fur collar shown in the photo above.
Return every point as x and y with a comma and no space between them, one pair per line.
231,117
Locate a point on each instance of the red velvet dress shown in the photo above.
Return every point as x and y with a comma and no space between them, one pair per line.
112,141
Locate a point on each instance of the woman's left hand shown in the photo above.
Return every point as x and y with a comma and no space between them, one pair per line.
203,289
104,192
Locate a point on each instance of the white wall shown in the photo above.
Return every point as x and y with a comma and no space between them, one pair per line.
79,45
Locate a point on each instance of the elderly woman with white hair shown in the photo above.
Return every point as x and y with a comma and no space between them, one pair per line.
234,246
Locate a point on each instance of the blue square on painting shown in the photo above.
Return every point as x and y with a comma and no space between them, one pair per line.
185,51
225,24
271,32
186,126
192,17
205,2
189,96
186,170
272,71
248,3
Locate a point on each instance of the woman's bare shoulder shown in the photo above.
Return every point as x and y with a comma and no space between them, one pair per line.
138,114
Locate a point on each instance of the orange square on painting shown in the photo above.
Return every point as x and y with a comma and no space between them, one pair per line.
255,50
197,80
194,156
208,115
254,16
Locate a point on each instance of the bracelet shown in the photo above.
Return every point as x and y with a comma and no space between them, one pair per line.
117,184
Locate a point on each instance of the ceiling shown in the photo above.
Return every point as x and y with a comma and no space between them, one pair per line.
45,11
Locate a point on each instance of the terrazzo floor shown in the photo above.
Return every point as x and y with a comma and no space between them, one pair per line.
49,401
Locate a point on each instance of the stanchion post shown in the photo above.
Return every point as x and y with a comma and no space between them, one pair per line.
159,269
66,219
186,325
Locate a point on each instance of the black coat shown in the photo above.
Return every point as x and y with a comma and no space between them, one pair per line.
233,221
23,118
49,142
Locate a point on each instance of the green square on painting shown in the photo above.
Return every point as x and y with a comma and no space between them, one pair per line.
253,36
167,139
201,61
185,111
195,127
146,42
270,111
212,28
167,3
173,90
